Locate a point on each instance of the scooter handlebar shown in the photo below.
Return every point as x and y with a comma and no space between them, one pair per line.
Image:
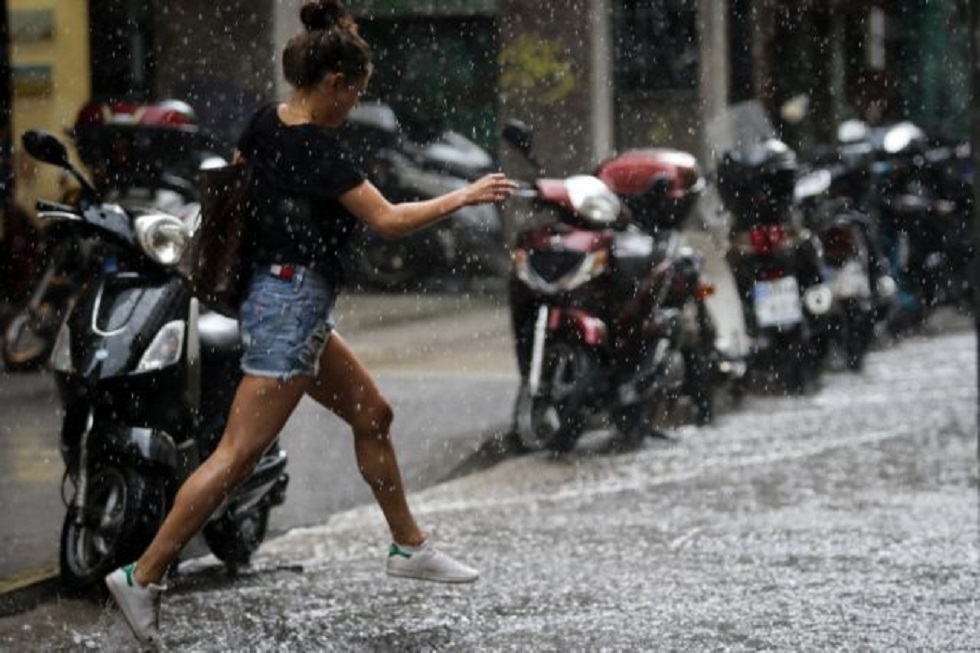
47,206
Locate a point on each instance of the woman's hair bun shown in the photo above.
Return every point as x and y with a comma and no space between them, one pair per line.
329,43
324,14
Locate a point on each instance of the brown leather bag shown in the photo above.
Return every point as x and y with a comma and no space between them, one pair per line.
213,264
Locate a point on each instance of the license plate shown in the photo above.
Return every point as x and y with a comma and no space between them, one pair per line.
777,303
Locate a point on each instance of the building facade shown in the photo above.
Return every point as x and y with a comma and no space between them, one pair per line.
590,76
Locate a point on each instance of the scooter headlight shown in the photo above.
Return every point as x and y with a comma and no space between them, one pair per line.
166,348
593,200
163,237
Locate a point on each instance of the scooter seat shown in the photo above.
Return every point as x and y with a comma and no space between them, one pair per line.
218,333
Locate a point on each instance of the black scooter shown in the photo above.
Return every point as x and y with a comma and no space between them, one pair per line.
138,155
146,377
829,194
777,263
922,192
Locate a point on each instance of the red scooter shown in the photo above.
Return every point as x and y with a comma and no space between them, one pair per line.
608,309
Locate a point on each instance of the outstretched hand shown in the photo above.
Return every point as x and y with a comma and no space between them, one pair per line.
495,187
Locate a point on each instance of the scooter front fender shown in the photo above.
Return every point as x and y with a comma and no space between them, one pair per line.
586,327
552,320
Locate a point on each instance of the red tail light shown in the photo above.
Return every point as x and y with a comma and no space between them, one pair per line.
766,239
705,290
838,243
772,274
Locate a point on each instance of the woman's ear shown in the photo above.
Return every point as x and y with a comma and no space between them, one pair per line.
334,81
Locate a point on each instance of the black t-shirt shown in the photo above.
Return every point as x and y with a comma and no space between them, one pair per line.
299,172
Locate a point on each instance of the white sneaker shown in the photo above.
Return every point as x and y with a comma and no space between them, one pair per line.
426,562
140,605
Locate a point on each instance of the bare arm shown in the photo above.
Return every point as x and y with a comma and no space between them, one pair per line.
393,221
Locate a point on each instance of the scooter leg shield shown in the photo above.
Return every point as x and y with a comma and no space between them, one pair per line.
133,445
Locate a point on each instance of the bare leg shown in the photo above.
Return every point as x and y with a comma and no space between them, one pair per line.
346,388
258,413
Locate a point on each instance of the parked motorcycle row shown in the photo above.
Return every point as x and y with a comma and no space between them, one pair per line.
828,250
609,307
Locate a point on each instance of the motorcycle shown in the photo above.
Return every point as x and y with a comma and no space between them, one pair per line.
777,263
145,376
469,246
922,193
855,270
609,318
141,156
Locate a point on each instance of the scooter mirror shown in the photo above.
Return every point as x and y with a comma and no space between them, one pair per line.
45,147
518,134
852,131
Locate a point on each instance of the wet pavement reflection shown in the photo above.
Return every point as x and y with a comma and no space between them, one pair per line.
847,519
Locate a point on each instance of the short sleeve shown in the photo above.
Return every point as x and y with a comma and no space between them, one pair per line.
335,170
246,140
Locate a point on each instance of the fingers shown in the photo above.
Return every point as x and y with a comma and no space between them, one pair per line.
497,186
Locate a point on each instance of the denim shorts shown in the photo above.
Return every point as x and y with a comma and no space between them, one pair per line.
285,322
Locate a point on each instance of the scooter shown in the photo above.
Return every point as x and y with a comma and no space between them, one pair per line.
146,375
609,319
777,263
922,194
854,267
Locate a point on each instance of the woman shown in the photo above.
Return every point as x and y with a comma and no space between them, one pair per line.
307,195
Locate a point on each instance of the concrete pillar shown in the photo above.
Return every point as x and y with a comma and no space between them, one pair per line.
603,110
713,87
556,76
708,233
285,25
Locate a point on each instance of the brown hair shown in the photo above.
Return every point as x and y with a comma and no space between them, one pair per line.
329,44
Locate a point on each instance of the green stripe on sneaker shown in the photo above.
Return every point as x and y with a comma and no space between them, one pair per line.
395,551
128,570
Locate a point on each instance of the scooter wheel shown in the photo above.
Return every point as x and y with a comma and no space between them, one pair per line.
123,512
555,418
236,535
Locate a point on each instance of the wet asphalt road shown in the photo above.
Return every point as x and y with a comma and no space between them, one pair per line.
845,520
448,394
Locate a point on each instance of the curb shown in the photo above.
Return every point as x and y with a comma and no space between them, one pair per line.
28,590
